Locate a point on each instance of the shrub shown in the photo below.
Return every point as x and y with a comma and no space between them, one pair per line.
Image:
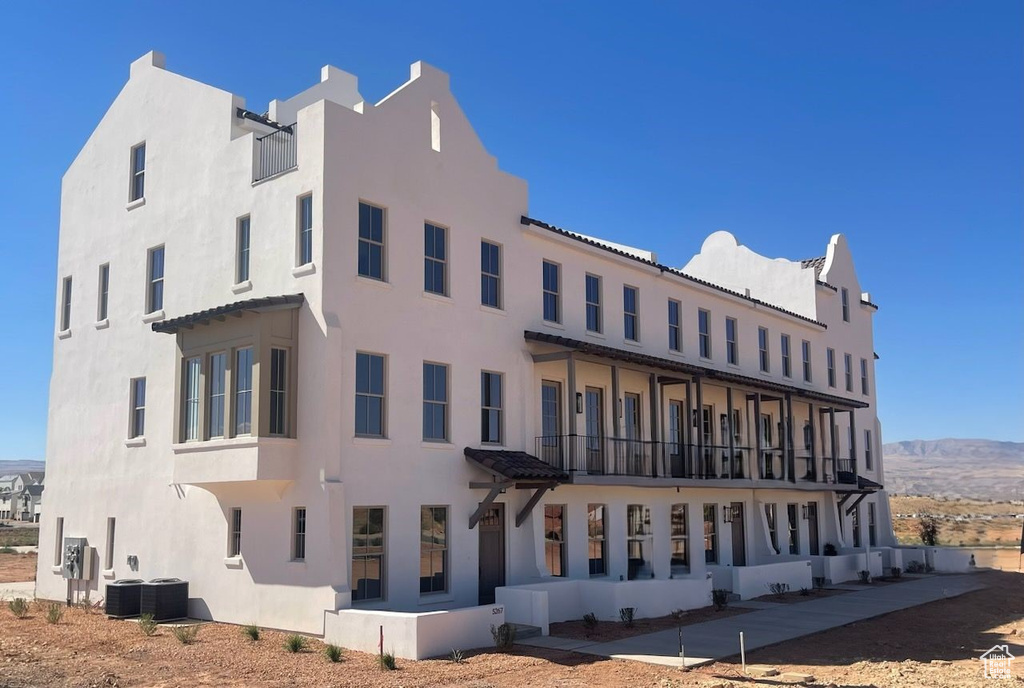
805,592
186,635
386,660
779,590
334,653
295,643
252,632
830,550
915,567
896,572
589,622
865,576
18,607
147,625
626,615
720,598
456,656
504,636
54,613
819,582
928,531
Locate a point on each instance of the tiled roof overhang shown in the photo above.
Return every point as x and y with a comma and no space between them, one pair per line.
264,303
649,361
515,465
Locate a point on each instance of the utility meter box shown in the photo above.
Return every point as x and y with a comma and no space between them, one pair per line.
77,561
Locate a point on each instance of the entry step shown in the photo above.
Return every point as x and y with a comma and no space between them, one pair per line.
524,631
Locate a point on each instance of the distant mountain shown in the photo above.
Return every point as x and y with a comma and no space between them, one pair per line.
978,469
21,466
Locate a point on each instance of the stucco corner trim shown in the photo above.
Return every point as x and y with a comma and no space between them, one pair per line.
233,562
108,573
137,203
241,287
154,316
303,270
64,334
135,442
56,569
102,324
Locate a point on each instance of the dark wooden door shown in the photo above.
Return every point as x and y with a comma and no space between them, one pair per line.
492,552
812,527
739,547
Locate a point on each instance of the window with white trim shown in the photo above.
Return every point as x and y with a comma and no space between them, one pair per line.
435,259
65,305
794,528
137,424
137,190
762,348
305,230
806,349
490,274
371,397
864,376
371,242
787,366
704,332
771,512
235,533
368,548
631,313
242,375
433,549
680,534
848,365
554,539
732,350
190,398
104,293
597,551
675,330
108,555
242,250
593,303
552,297
435,402
491,413
215,398
299,533
155,280
830,360
846,304
278,392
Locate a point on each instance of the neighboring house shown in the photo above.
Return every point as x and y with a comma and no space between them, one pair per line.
323,359
21,496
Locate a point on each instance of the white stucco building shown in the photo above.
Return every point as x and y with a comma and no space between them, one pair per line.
324,365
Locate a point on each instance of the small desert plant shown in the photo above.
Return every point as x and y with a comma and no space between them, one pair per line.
295,643
779,590
147,625
626,615
928,531
589,621
915,567
895,572
865,576
805,592
334,653
8,550
720,598
19,607
456,656
386,661
252,632
504,636
54,613
819,582
186,635
830,550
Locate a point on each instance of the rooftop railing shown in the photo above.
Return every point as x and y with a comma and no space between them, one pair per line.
275,153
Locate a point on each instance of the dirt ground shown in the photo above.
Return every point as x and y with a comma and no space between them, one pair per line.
988,523
17,567
19,534
892,651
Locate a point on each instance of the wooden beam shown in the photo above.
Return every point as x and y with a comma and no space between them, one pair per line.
521,516
490,484
555,356
846,496
850,509
480,510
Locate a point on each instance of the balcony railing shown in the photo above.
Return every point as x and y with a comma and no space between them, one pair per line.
846,471
275,153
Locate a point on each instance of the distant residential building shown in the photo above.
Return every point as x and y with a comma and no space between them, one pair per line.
21,496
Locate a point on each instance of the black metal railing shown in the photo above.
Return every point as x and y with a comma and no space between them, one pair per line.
846,471
806,468
275,153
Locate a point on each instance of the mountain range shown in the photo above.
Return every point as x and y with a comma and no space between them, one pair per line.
968,468
21,466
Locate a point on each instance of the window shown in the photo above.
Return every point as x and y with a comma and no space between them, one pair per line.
435,127
848,368
65,306
868,462
108,556
490,274
805,347
794,528
490,408
299,533
551,415
235,533
190,399
242,249
435,259
771,512
305,238
435,402
243,391
593,289
846,304
680,555
370,396
711,533
856,526
554,539
138,416
597,551
675,335
155,292
551,297
863,376
371,241
732,353
872,531
138,185
218,366
433,549
639,541
787,367
704,330
58,543
762,348
104,293
278,392
630,313
367,553
830,359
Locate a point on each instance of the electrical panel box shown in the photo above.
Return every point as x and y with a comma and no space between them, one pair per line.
77,561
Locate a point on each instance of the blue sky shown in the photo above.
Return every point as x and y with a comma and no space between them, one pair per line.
896,123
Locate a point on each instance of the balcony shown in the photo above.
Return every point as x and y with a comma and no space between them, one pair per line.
275,154
256,462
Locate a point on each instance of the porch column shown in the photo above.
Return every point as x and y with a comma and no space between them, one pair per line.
732,432
853,446
655,412
835,440
758,431
700,425
812,466
783,444
570,374
615,401
687,429
790,453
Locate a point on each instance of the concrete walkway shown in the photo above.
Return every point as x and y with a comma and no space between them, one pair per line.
713,640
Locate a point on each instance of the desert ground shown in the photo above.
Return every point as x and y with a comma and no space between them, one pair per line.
962,522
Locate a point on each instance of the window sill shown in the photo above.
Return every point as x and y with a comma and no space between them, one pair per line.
102,324
107,573
706,359
137,203
373,282
372,441
155,316
135,442
233,562
633,342
56,569
595,335
239,442
297,563
554,325
440,298
675,354
492,310
64,334
241,287
439,444
303,270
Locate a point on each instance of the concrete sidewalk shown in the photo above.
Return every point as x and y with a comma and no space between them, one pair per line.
714,640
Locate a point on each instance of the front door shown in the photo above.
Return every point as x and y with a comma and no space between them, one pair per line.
551,424
739,546
594,420
492,552
812,527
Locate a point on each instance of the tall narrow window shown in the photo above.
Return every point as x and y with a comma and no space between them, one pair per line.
490,408
368,542
771,512
305,234
190,399
215,403
856,526
846,304
551,415
848,369
830,360
435,127
872,529
138,398
593,289
680,533
863,376
639,541
787,365
554,539
631,313
108,555
299,533
794,528
65,305
552,296
104,293
155,281
371,241
242,375
278,392
490,274
597,552
433,549
435,402
868,459
805,347
732,347
242,244
435,259
762,349
138,185
675,334
235,533
704,332
370,395
58,543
